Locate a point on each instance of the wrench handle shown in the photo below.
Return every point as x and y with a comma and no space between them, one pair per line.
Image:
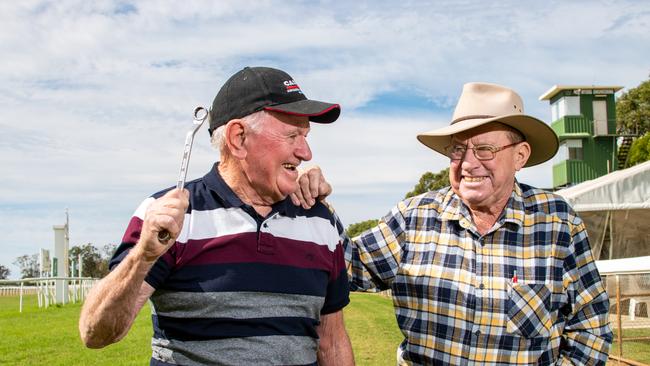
200,115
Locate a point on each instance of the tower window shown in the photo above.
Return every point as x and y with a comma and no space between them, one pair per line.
569,150
565,106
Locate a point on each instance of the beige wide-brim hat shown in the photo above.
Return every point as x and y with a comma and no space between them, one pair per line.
482,103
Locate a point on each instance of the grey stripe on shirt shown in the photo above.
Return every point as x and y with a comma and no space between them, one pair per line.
236,305
269,350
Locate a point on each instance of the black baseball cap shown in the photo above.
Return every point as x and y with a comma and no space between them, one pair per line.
254,89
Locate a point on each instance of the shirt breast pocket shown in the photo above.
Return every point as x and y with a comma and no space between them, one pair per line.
528,310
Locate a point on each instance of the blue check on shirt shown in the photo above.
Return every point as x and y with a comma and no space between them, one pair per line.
526,292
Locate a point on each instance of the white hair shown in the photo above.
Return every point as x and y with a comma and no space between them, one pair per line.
253,121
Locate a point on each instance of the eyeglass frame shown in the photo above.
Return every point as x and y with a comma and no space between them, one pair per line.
491,148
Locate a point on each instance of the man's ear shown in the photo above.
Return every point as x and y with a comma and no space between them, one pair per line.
522,153
235,135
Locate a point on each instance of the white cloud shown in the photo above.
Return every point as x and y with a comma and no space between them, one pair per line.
95,97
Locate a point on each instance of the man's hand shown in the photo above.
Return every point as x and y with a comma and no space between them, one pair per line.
311,186
166,213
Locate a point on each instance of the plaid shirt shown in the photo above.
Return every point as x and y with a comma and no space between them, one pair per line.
526,292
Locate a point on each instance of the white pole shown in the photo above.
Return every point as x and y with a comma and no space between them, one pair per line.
39,293
21,297
47,294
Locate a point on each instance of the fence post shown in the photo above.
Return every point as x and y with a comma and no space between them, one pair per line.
618,316
21,296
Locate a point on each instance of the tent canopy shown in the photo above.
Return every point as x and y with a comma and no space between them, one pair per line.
616,211
624,266
621,190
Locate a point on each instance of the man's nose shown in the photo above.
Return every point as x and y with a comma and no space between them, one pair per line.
469,160
303,151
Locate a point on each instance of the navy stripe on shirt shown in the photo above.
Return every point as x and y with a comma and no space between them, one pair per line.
259,277
196,329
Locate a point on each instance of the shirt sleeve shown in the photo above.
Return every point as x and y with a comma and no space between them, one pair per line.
338,288
373,257
587,335
161,269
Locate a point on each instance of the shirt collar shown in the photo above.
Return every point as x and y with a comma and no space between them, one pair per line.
515,209
453,208
215,182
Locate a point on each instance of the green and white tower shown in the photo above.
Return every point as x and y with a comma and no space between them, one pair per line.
584,118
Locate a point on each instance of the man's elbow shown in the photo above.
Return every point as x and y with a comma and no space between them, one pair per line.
92,338
88,340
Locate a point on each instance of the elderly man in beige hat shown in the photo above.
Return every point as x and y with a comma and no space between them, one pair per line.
489,271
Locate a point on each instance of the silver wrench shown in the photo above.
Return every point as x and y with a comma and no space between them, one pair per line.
200,115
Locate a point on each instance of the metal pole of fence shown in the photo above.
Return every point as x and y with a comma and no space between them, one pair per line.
618,317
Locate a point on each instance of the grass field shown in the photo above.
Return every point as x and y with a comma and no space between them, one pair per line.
634,350
50,337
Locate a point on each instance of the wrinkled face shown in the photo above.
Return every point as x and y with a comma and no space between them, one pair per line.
274,153
486,184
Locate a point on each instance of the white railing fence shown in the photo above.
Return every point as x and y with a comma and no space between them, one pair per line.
74,289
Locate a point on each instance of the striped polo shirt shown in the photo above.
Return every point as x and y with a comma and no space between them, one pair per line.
240,289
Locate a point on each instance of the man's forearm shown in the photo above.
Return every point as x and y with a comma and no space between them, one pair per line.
335,347
113,303
339,354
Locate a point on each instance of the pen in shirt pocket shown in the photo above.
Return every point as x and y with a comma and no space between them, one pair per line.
514,277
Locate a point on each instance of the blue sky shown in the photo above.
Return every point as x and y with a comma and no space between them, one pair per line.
95,97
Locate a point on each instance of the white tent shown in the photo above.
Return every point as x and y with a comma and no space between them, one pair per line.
624,266
616,211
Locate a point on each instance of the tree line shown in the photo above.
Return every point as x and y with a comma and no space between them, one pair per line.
633,117
94,261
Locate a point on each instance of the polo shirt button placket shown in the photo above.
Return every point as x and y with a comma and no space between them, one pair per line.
265,243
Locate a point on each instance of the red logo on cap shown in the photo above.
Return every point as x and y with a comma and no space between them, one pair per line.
291,86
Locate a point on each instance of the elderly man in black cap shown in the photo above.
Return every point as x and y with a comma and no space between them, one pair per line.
250,278
488,271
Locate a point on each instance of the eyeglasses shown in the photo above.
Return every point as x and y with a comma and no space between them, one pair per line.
481,152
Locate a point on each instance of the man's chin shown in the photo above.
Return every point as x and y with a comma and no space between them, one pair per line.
285,191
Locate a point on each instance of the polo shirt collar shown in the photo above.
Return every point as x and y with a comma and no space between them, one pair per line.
215,182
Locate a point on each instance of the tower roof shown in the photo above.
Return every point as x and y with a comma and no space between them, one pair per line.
580,89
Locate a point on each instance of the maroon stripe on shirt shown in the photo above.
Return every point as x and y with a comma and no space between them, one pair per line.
245,247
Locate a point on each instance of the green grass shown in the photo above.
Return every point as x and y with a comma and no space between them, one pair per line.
50,337
370,321
634,350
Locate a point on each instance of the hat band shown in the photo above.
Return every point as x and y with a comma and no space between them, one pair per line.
476,116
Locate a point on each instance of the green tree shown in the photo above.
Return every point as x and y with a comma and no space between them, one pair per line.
356,229
95,263
430,182
28,265
633,110
639,151
4,272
